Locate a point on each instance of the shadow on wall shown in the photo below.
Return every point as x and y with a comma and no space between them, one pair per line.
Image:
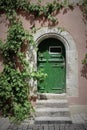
1,63
84,71
3,19
1,59
33,18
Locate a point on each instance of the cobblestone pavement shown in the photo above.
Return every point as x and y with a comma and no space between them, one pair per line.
79,123
49,126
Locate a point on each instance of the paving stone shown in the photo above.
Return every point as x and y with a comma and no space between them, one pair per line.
51,124
72,127
2,121
25,126
84,117
80,127
5,124
42,128
51,128
62,127
45,126
77,119
20,126
10,126
85,126
15,127
30,126
57,127
67,126
36,127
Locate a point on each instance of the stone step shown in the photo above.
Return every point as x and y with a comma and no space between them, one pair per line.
45,96
52,103
52,108
52,112
47,119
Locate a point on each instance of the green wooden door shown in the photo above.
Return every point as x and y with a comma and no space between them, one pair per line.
51,58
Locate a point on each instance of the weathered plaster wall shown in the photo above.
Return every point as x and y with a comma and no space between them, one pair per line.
3,34
72,22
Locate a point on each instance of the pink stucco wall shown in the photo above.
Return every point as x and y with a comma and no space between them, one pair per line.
73,22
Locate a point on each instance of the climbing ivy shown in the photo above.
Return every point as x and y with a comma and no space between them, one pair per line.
14,88
84,4
14,80
11,7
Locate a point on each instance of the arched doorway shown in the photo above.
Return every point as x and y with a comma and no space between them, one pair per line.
51,58
71,56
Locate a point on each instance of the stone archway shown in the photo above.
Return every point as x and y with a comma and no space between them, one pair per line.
71,55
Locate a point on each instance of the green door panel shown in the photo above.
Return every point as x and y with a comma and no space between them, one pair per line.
51,58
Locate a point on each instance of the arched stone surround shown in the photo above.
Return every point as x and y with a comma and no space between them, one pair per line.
71,56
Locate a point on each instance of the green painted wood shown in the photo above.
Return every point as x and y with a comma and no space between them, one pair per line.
51,58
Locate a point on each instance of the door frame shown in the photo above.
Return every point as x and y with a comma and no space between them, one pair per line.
71,55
